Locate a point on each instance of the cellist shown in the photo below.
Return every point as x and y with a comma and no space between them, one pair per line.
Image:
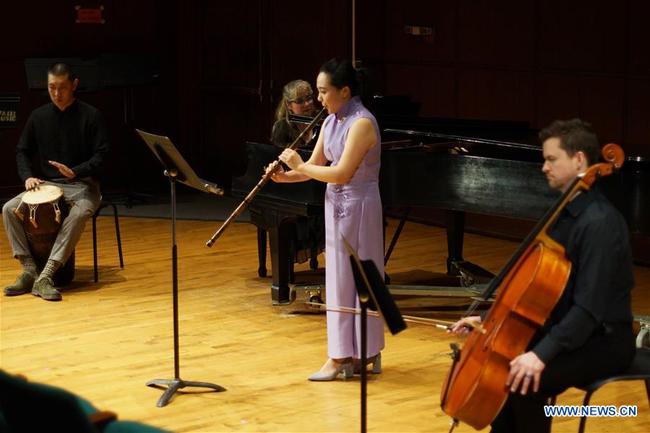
589,333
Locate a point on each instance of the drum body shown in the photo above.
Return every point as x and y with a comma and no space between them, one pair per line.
42,211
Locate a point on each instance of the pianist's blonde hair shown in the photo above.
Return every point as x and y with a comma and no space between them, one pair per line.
290,92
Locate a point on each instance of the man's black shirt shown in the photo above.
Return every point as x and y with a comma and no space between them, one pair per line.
75,137
595,237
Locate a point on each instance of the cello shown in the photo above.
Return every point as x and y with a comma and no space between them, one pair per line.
527,288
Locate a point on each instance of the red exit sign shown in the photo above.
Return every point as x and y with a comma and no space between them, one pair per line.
90,15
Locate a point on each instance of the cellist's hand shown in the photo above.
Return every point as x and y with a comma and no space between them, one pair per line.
464,325
524,369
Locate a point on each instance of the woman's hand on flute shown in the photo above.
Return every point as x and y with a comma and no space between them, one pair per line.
292,159
278,175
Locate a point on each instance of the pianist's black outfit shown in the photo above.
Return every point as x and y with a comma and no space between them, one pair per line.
589,334
285,132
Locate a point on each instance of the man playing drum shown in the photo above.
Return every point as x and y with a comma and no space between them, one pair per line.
63,144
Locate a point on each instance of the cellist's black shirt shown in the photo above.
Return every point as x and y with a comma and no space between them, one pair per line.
595,237
75,137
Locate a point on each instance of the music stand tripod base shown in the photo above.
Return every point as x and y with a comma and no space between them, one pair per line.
174,385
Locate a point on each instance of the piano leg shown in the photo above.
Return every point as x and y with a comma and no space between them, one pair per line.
455,233
281,263
313,261
396,235
261,252
470,273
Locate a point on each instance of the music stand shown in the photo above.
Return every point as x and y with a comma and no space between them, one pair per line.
176,169
372,292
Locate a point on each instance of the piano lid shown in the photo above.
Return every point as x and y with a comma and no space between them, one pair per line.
463,139
502,139
470,146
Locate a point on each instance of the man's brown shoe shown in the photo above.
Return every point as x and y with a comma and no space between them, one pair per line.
23,284
44,287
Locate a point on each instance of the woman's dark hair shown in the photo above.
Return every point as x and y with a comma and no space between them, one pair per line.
341,74
575,136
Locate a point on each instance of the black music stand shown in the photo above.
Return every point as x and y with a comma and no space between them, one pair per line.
176,169
373,293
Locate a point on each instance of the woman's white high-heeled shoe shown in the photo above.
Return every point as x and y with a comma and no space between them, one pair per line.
344,367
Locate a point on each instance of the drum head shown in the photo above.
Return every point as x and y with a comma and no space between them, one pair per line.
44,194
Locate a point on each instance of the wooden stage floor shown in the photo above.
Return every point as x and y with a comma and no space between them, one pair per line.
105,340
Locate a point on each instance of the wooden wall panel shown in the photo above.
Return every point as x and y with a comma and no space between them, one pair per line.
231,50
513,60
495,94
48,29
371,31
639,38
598,100
129,26
225,129
300,43
557,98
637,119
582,35
431,86
496,33
402,47
249,50
637,113
602,104
229,91
535,61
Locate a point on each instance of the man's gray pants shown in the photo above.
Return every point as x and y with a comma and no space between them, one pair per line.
82,196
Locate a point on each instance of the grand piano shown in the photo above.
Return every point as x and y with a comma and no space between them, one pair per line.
454,166
275,211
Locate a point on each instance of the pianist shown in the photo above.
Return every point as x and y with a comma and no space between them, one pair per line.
298,99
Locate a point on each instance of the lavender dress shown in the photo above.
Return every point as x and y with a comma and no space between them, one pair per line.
352,211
